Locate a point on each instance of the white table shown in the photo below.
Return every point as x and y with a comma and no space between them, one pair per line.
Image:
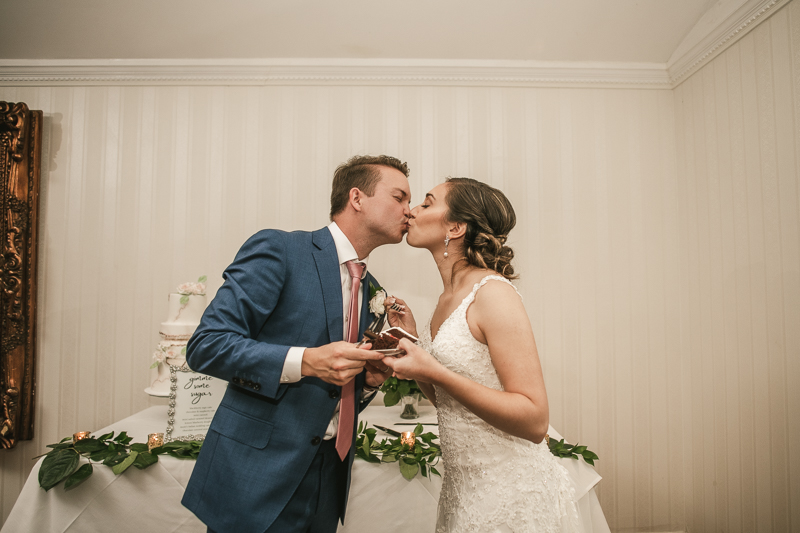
149,500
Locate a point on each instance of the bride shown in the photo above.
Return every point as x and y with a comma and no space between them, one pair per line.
477,362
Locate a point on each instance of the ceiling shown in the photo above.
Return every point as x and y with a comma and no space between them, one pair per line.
541,30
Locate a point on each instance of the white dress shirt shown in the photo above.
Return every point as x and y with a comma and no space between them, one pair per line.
293,363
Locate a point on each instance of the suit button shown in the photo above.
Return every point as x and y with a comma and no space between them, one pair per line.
334,394
257,386
316,440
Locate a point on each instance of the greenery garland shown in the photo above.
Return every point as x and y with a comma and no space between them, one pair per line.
62,463
419,458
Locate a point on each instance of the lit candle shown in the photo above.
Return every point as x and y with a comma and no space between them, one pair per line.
155,440
80,435
408,438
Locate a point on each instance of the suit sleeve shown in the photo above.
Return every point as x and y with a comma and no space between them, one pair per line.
224,344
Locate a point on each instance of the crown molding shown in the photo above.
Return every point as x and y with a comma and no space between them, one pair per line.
724,24
332,71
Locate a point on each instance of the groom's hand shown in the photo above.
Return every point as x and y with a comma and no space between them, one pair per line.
336,363
377,372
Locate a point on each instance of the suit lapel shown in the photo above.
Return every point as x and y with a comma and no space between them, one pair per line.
327,262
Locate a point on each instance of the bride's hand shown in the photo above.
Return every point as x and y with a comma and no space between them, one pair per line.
415,364
399,315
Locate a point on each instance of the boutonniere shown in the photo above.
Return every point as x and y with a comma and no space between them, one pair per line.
377,296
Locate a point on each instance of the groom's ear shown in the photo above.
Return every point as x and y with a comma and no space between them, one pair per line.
355,198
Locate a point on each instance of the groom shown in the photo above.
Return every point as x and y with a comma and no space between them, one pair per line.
277,457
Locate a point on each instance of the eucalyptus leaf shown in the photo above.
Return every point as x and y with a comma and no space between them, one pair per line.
121,467
78,477
56,467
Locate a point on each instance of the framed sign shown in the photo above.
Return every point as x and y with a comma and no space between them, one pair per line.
193,400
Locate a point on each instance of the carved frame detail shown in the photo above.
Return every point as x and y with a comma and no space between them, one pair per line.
20,164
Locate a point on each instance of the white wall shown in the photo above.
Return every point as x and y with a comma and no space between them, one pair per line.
656,279
738,154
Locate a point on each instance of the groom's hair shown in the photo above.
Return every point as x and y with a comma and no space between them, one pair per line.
362,172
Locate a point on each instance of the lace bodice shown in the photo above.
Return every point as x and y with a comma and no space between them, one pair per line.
493,481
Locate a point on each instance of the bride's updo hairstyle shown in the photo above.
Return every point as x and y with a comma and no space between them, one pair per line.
489,218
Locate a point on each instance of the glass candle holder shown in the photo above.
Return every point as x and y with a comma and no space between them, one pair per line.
155,440
408,438
80,435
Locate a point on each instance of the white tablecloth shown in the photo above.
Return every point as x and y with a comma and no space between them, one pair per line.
149,500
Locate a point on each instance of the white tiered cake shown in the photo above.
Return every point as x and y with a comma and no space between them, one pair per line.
185,310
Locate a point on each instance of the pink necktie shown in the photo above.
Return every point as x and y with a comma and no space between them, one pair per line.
347,405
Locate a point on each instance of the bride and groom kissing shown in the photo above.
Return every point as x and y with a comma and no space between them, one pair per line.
282,331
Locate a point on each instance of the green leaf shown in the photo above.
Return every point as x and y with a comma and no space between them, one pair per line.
391,398
418,429
579,449
144,459
60,446
123,466
101,455
139,447
409,470
404,388
365,447
107,435
435,472
115,458
154,365
184,299
56,467
78,477
65,439
202,279
89,446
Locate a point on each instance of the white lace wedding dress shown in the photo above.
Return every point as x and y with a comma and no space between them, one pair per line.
493,482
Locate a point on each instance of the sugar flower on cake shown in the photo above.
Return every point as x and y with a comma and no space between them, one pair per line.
199,287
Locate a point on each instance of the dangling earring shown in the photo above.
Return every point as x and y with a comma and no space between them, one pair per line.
446,243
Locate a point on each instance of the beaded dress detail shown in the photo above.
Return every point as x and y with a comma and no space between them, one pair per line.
493,482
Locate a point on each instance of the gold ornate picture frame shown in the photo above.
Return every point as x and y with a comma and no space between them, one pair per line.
20,164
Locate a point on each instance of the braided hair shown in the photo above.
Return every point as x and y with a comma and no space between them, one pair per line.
489,217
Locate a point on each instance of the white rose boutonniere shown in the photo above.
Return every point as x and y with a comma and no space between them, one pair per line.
377,297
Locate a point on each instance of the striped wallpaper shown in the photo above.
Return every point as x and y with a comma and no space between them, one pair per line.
657,239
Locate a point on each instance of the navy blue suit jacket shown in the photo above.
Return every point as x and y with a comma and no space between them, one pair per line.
282,290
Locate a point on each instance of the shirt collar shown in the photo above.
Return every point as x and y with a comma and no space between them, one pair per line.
344,248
